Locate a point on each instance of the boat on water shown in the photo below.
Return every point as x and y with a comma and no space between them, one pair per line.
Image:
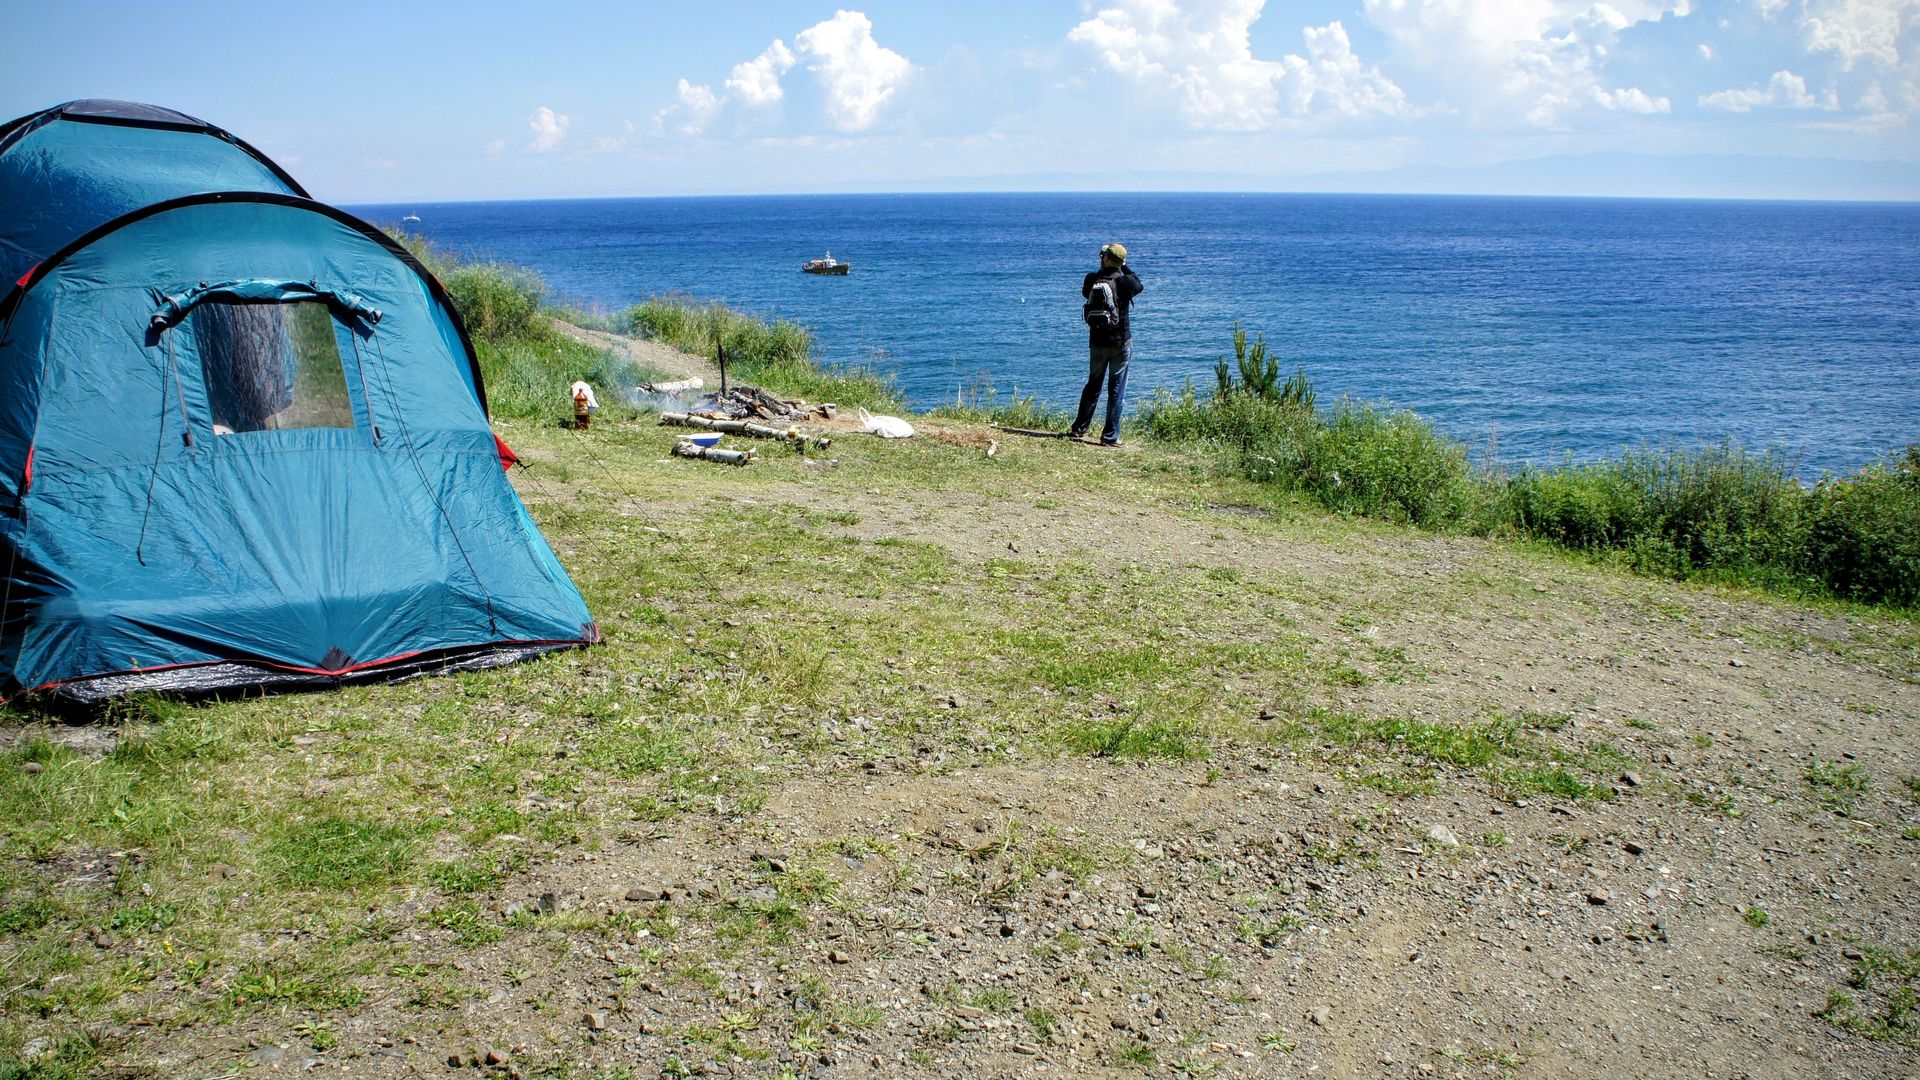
828,265
410,219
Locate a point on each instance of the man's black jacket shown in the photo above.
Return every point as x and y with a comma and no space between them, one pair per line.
1126,286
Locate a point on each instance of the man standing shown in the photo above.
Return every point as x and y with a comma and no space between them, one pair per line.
1109,291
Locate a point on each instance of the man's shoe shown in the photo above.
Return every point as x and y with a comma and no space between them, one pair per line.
1109,442
1076,434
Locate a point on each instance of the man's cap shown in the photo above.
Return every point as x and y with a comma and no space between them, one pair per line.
1118,251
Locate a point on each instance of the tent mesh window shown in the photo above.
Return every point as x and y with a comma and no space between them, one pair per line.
271,367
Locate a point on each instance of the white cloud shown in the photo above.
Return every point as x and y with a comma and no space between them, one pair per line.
548,129
1860,30
1631,99
858,73
1499,59
377,163
756,82
1200,54
607,144
1784,91
1706,51
496,147
693,106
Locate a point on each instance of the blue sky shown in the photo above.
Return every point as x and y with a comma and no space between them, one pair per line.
407,100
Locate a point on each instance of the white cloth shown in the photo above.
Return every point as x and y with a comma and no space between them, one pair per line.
573,394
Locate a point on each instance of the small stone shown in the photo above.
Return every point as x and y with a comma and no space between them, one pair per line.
1146,892
777,866
1597,897
267,1055
838,957
39,1048
1631,779
1440,834
1025,1048
495,1057
223,871
595,1021
644,894
1634,847
549,903
1320,1016
1736,662
33,767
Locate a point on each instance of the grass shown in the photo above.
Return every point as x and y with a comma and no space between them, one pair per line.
1887,1008
1391,752
1835,787
1718,513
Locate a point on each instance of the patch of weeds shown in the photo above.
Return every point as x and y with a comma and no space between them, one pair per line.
1642,723
458,876
1523,781
1912,784
1194,1067
1703,741
1756,917
1540,721
1135,1053
1131,738
279,983
1343,675
470,928
25,914
320,1034
142,918
1494,838
1836,786
335,852
1723,804
1276,1041
1891,975
1043,1021
995,999
1266,933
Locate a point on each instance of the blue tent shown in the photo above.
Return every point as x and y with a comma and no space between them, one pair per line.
244,442
75,166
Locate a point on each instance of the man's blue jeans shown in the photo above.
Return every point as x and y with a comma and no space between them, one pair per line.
1106,364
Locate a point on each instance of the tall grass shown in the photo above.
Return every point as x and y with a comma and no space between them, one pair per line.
777,355
526,363
980,402
1720,513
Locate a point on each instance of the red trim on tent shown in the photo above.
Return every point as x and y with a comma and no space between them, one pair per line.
28,276
26,476
591,637
508,459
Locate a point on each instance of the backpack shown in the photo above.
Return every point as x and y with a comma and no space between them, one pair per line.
1102,309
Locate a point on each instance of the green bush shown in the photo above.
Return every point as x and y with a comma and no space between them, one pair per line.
526,363
1390,465
1721,513
1863,533
496,301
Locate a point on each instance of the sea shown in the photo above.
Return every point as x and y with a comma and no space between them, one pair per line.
1537,330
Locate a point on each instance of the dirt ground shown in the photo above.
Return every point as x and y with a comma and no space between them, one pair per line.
1259,913
1264,911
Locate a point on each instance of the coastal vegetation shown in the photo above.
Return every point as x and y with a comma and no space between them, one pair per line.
1717,513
